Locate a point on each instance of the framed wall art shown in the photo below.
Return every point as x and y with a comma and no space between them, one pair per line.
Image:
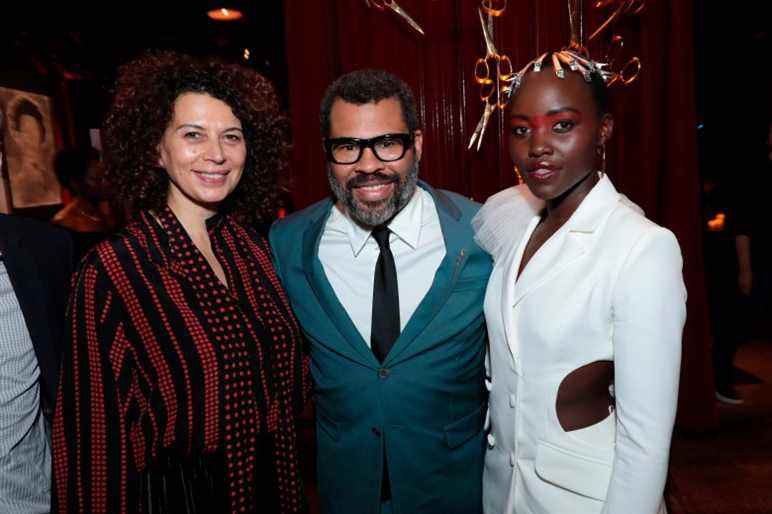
28,137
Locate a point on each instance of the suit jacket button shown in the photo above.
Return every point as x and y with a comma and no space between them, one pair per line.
384,372
376,432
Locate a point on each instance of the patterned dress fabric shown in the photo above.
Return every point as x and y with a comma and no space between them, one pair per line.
169,366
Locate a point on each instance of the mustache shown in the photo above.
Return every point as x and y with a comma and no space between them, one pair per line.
371,178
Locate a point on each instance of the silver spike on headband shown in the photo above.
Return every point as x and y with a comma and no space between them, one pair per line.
575,56
573,60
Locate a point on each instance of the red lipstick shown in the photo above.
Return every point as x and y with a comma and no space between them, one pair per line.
542,170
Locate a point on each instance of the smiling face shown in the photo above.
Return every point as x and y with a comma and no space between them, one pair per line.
370,190
203,151
555,132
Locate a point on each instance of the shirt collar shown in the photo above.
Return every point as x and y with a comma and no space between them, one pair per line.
406,225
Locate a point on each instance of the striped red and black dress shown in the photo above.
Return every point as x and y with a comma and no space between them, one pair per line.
168,365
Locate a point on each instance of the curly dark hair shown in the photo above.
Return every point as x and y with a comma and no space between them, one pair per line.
143,107
365,86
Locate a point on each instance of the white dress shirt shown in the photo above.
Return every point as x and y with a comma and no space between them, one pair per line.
349,254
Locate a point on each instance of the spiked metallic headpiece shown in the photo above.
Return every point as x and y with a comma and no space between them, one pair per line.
575,56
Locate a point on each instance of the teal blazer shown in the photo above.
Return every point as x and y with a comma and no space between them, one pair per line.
424,405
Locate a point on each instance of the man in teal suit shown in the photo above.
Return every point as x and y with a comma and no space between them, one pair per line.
388,286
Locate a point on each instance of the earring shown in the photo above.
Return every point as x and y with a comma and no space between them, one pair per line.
602,154
518,175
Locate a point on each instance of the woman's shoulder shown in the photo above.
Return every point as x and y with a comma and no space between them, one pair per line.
250,233
252,240
632,236
629,221
133,245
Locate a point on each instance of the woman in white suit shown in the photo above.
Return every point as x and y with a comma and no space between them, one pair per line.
585,310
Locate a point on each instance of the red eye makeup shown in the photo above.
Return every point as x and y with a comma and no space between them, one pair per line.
547,120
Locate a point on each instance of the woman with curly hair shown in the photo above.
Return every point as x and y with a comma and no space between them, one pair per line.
185,372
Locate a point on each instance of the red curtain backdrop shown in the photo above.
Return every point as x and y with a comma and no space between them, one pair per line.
652,157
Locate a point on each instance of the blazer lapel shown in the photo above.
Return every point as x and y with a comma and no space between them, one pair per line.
356,348
562,249
513,259
549,261
456,237
568,244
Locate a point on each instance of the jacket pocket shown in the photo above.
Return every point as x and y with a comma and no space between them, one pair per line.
463,429
581,474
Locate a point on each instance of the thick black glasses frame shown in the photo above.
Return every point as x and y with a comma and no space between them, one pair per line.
405,139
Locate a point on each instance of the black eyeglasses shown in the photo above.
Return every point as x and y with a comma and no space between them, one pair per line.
348,150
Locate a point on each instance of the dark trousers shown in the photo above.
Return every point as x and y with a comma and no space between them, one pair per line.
731,318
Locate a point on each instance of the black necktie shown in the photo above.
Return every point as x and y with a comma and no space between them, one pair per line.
385,325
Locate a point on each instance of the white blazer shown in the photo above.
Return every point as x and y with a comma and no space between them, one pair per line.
606,286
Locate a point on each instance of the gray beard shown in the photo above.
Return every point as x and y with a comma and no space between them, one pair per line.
372,214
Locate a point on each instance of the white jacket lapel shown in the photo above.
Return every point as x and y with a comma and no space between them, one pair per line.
513,258
568,244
